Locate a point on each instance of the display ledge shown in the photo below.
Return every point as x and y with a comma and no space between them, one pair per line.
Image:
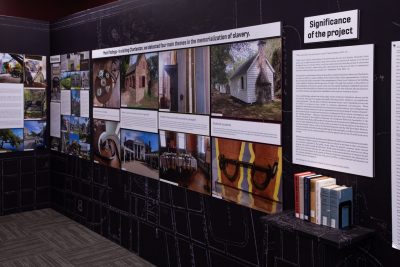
340,239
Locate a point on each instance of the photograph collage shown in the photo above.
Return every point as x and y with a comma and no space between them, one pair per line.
70,93
239,81
29,72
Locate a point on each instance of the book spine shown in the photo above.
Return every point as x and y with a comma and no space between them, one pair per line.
325,206
296,196
313,201
334,209
301,196
327,182
307,199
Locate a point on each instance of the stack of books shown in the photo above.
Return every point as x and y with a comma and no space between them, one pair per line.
320,200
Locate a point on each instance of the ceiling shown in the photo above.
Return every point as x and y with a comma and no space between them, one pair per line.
49,10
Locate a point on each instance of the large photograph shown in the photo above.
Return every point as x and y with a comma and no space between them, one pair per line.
246,80
106,143
184,84
11,140
35,103
248,173
106,83
35,71
139,81
185,159
140,153
11,68
34,134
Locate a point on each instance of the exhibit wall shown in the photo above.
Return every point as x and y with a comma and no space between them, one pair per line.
174,226
25,175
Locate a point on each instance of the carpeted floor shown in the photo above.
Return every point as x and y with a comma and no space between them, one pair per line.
47,238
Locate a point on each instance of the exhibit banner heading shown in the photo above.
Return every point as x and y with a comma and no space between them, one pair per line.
235,35
332,27
55,59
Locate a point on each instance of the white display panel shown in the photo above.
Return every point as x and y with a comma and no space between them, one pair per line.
185,123
139,120
333,109
84,103
395,97
65,102
11,105
55,119
267,133
108,114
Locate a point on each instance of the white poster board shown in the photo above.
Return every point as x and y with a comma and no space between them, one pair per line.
11,105
333,109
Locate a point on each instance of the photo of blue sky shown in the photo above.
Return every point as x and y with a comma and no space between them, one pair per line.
143,136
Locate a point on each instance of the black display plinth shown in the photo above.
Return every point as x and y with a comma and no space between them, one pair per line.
335,237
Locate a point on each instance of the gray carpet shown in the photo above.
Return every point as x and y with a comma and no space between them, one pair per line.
47,238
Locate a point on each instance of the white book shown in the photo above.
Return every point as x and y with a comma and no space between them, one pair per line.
318,185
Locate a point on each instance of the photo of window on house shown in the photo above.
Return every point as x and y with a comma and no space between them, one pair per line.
246,80
139,81
11,140
106,143
75,61
11,68
35,71
34,134
139,151
185,159
106,83
248,173
184,84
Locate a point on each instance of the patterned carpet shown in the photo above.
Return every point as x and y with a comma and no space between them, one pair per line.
47,238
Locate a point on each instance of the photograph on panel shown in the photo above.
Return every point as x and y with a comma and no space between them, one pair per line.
55,82
35,103
35,71
139,81
185,159
34,134
84,133
106,82
11,68
248,173
11,140
246,80
75,102
140,153
75,61
184,83
55,143
106,143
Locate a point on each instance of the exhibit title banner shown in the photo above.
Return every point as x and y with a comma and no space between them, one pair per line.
331,27
228,36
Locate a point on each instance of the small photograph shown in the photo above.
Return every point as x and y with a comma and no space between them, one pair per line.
246,80
55,143
64,146
248,173
34,134
139,151
35,71
85,83
75,61
55,82
139,81
75,102
11,140
74,126
35,103
65,123
65,80
73,147
11,68
76,80
185,159
106,83
184,83
84,133
106,143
